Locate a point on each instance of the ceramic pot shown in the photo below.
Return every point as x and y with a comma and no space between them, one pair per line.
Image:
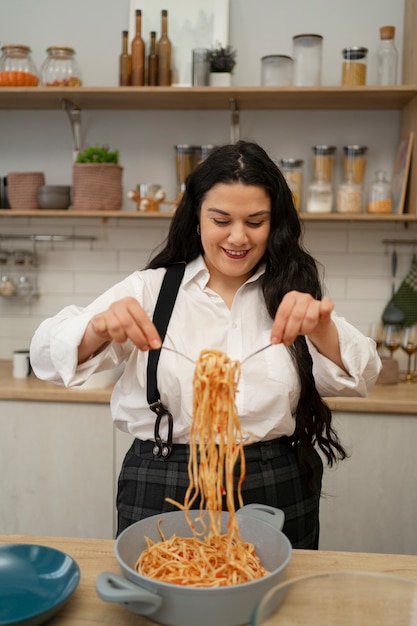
177,605
220,79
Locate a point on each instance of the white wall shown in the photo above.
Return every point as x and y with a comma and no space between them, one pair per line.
357,268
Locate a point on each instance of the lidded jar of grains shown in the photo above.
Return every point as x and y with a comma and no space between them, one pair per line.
292,170
354,66
17,68
60,68
354,161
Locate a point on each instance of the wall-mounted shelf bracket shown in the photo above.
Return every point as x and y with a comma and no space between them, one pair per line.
234,122
74,114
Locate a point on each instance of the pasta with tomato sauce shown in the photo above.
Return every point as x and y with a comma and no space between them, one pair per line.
209,558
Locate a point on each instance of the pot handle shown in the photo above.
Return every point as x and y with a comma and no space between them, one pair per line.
265,513
114,588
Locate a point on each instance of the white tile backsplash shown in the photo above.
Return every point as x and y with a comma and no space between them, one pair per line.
356,266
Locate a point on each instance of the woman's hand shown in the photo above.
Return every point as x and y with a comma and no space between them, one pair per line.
124,319
300,314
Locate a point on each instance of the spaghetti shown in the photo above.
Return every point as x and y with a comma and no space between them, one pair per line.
209,558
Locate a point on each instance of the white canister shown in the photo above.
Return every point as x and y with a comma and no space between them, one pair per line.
307,53
21,364
276,70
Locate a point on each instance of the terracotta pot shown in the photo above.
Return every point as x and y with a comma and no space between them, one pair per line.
97,187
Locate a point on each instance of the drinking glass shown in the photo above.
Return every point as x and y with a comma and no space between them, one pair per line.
393,338
409,345
377,332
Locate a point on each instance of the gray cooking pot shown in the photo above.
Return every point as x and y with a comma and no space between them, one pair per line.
176,605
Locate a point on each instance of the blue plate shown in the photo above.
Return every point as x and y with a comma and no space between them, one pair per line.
35,581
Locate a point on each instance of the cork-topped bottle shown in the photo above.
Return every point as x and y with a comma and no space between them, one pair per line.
125,62
387,57
164,53
138,53
153,61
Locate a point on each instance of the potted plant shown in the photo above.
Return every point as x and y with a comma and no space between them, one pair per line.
97,180
222,62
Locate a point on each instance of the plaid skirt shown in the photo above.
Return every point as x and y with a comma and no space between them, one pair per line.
273,477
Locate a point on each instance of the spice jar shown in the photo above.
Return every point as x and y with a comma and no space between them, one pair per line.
355,162
292,170
60,68
349,196
354,66
17,68
379,194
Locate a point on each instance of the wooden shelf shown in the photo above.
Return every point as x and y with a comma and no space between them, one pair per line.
307,217
81,214
199,98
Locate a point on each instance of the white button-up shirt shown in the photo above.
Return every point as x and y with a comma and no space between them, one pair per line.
269,387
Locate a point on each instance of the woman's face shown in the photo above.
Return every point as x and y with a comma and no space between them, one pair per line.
234,224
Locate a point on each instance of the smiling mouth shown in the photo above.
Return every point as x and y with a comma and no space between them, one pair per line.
236,254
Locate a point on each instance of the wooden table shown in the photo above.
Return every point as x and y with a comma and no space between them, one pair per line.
94,556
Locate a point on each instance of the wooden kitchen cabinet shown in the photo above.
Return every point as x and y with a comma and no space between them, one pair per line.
369,500
56,469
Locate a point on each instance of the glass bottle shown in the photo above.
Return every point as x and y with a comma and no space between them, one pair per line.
387,57
349,196
138,53
153,61
164,53
125,62
60,68
379,194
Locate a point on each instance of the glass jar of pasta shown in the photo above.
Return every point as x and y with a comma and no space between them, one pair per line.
292,170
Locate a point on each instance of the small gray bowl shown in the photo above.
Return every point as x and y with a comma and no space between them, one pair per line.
54,196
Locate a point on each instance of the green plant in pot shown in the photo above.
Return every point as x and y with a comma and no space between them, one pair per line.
97,180
222,62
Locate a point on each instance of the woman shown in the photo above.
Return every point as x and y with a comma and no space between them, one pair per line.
247,282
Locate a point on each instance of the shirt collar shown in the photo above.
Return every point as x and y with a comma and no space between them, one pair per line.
197,270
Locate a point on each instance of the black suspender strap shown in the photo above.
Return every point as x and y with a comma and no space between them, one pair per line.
162,314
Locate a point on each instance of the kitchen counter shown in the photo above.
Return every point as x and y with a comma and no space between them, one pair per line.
97,555
400,398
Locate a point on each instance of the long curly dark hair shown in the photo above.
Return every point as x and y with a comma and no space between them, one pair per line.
288,267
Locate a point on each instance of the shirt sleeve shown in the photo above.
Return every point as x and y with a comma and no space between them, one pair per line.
360,358
54,346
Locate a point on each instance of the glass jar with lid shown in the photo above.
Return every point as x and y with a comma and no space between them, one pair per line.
17,68
379,194
324,157
276,70
307,55
60,68
354,66
292,170
349,196
354,161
